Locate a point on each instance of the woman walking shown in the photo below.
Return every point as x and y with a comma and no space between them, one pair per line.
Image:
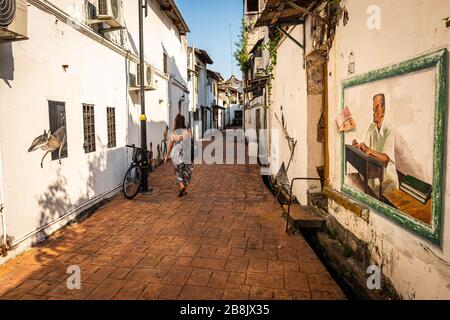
180,149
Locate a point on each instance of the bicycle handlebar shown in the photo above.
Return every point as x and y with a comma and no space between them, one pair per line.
138,149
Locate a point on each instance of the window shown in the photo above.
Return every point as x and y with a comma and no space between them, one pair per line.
57,117
252,5
89,128
166,71
111,123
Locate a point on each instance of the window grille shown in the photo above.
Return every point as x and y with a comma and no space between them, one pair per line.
89,128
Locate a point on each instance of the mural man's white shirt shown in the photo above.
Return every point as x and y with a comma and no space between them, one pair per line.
383,141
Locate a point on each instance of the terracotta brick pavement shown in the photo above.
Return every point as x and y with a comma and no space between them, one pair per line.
225,240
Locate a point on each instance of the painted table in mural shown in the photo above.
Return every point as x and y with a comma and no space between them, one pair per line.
368,167
410,206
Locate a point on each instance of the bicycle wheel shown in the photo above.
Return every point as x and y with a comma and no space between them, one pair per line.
132,182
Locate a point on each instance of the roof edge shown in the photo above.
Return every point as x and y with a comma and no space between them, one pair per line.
185,28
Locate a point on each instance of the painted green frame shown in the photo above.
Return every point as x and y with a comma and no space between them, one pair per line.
438,60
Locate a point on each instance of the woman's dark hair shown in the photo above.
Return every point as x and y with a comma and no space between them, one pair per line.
180,122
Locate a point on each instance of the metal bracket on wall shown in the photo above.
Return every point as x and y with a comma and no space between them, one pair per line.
106,30
303,46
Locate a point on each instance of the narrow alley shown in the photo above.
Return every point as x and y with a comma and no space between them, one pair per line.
225,240
320,137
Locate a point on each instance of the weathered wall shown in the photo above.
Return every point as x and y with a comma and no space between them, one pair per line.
301,114
409,28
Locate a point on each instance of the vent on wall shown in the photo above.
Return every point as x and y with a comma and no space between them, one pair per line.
13,20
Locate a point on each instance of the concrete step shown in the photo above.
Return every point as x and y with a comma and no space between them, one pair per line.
305,216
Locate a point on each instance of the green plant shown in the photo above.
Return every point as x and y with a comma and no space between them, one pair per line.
241,54
271,46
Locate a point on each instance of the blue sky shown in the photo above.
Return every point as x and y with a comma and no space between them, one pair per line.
209,22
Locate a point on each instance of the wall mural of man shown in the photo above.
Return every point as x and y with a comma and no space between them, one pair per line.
380,144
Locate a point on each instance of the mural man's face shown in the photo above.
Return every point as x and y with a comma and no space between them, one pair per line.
378,110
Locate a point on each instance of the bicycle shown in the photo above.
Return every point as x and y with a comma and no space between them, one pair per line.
133,177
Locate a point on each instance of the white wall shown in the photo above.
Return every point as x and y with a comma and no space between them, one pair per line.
160,36
290,92
417,268
32,73
56,189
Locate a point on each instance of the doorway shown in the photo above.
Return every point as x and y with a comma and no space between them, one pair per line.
1,179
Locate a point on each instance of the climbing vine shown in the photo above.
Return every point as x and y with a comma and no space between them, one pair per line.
241,54
271,48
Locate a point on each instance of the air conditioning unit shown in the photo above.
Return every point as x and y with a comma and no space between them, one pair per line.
13,20
110,12
150,82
